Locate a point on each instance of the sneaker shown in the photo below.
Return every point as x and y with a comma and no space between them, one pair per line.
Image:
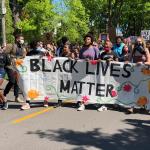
102,108
81,108
5,106
25,106
18,100
59,104
45,103
130,111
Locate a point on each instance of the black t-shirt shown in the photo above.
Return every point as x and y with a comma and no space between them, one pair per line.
124,57
4,60
108,55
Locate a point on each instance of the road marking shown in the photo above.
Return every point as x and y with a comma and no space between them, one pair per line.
36,113
32,115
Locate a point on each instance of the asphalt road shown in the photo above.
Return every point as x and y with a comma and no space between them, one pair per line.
66,129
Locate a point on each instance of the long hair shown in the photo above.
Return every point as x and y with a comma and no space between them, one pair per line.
143,42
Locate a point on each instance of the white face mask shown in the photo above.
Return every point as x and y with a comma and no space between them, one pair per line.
21,41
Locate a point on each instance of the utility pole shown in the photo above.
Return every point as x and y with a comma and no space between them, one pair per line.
3,14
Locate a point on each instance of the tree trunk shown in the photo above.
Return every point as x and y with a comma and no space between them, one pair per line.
111,29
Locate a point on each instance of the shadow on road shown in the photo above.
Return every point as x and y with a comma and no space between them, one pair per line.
126,139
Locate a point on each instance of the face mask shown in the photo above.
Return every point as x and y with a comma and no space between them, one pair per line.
126,50
139,44
118,45
21,41
106,49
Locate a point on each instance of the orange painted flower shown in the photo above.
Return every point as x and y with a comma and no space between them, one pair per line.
145,71
142,101
33,94
19,62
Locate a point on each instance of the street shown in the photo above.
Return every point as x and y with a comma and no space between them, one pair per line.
64,128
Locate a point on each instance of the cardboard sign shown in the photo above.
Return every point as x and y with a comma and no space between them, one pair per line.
145,34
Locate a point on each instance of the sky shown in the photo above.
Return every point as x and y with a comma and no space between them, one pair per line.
55,1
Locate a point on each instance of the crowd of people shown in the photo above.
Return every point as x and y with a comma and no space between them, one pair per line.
122,50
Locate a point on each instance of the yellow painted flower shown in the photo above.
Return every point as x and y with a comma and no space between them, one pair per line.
142,101
33,94
145,71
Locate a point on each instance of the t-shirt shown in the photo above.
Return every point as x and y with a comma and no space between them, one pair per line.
108,55
17,51
91,53
139,54
4,60
118,49
124,57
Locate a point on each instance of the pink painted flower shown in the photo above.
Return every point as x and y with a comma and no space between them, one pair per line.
46,98
93,62
85,99
127,88
114,93
49,58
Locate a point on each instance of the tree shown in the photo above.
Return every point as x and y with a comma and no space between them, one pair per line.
131,16
9,24
136,17
104,15
74,20
36,18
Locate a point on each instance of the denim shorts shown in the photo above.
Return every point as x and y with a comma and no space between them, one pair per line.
2,73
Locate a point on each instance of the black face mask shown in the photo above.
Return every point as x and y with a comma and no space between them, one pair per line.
140,48
118,45
139,44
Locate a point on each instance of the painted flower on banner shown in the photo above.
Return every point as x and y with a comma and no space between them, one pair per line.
127,87
50,58
114,93
85,99
19,62
142,101
145,71
46,98
93,62
33,94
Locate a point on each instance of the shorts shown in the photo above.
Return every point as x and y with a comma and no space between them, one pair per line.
2,73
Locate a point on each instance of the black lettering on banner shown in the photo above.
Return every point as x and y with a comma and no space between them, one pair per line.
43,66
64,87
34,65
113,70
99,90
73,63
97,72
110,87
90,87
87,69
104,68
57,66
64,66
128,73
74,87
80,88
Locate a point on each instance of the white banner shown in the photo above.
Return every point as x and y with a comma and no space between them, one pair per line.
90,82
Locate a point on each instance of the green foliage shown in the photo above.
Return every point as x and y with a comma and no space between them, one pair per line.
74,21
131,16
9,24
36,18
74,18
